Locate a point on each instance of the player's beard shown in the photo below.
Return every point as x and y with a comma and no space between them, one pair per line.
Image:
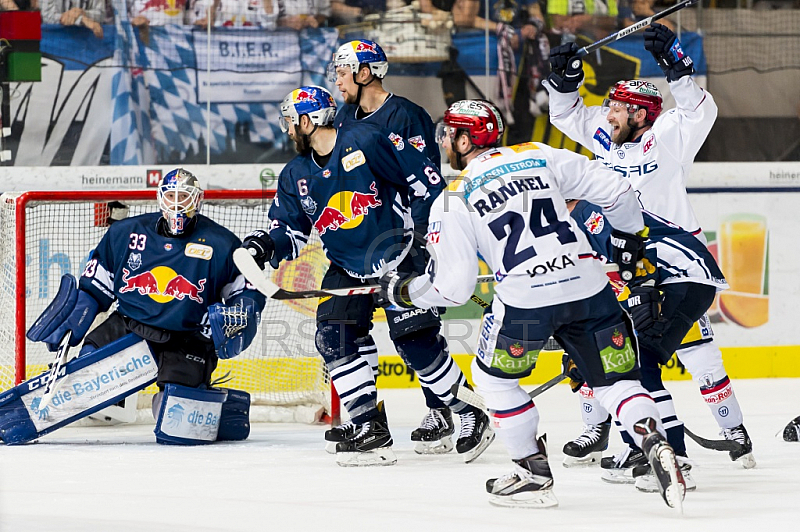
621,135
350,98
301,144
453,158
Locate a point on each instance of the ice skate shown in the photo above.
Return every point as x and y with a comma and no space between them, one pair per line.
339,433
618,469
662,460
792,431
434,434
744,455
475,436
587,449
645,480
529,485
370,446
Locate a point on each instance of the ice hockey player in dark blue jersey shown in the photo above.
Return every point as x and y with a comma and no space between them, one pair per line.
353,186
172,276
669,318
358,70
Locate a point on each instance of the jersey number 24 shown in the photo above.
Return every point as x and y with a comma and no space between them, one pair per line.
542,208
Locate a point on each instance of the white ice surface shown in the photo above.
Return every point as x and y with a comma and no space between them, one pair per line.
118,479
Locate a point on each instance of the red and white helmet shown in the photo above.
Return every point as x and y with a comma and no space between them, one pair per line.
637,94
481,119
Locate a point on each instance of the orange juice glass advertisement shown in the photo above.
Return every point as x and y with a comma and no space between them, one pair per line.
743,242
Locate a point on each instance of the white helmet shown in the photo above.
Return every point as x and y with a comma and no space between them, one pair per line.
179,198
316,102
353,54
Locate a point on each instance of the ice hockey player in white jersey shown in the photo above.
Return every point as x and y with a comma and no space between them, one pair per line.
654,150
507,205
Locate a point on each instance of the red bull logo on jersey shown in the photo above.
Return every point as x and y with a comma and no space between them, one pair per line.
347,209
595,223
397,140
417,142
162,284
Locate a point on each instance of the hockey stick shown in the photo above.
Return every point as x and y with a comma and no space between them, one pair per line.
462,393
624,32
714,445
247,265
53,382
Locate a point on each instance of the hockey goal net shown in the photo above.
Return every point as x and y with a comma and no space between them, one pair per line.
47,234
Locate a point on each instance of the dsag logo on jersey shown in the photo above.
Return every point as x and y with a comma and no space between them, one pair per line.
346,209
162,284
595,223
418,142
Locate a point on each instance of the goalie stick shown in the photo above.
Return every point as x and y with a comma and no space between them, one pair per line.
714,445
462,393
53,382
633,28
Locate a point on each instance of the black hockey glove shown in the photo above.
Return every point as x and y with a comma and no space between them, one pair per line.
394,290
644,306
566,70
660,41
261,247
627,250
569,369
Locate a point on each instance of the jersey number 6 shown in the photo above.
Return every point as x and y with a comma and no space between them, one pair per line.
541,208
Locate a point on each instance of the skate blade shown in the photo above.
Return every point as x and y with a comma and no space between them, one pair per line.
676,490
475,452
383,456
649,484
748,461
617,477
591,459
330,447
445,445
526,499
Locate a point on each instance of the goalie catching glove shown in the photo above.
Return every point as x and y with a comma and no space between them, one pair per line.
233,327
628,249
660,41
394,289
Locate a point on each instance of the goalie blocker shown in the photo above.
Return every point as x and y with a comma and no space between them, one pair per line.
102,378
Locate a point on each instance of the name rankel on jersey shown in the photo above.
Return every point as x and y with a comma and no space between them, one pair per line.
504,192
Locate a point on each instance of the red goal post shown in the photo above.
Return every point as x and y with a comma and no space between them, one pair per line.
48,233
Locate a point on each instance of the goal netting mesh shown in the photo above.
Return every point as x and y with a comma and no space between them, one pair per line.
53,234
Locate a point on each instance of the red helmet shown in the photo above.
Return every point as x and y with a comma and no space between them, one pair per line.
638,93
480,118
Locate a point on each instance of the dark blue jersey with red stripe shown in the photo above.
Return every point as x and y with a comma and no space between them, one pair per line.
358,201
163,281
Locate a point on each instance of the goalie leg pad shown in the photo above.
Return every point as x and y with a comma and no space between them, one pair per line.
90,383
234,419
189,416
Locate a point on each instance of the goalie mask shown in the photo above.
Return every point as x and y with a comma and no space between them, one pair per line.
179,198
356,53
636,94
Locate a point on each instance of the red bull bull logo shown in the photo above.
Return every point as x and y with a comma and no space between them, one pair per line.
595,223
364,46
303,95
162,284
346,210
